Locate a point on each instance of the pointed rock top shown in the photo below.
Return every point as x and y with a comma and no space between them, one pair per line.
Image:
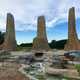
41,17
72,9
9,15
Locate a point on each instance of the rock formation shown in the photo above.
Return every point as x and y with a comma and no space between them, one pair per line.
41,42
9,41
72,42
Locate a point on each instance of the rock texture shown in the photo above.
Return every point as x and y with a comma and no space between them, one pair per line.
72,42
72,74
9,71
10,41
41,42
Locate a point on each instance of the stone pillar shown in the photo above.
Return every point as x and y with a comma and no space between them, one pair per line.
41,42
41,30
10,41
72,42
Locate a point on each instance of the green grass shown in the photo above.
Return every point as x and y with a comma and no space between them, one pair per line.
77,66
19,48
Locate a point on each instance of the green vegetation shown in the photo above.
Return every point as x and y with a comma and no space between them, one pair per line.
41,77
53,45
2,37
78,68
24,47
57,44
20,48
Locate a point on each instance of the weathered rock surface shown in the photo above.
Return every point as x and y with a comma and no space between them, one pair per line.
72,42
41,42
9,71
70,73
10,41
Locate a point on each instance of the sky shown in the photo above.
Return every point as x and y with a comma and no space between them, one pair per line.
26,12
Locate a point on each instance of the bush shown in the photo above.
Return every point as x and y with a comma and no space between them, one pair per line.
58,44
2,37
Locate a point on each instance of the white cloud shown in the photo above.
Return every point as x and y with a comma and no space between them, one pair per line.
27,11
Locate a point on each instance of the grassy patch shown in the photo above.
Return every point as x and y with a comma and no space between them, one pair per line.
77,66
20,48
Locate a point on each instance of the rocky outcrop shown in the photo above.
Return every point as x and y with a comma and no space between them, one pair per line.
41,42
72,42
9,41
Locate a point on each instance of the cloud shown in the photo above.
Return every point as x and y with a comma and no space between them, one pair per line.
26,12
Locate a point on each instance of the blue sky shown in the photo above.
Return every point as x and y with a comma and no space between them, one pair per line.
26,12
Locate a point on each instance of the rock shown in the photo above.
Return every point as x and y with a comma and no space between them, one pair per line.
70,73
3,52
9,43
4,55
72,42
40,42
9,71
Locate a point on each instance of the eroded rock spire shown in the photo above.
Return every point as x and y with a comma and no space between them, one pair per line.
72,42
41,42
10,41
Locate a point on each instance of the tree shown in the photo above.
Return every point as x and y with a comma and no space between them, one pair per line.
2,37
58,44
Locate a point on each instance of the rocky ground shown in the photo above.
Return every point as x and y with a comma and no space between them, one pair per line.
10,67
9,71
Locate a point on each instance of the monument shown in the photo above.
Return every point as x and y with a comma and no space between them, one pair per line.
72,42
9,41
40,42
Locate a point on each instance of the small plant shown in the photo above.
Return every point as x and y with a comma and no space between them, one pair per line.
40,77
78,68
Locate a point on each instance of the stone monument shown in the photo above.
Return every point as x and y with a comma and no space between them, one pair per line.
9,41
40,42
72,42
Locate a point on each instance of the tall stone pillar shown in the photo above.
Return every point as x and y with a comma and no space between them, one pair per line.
41,30
72,42
10,41
41,42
